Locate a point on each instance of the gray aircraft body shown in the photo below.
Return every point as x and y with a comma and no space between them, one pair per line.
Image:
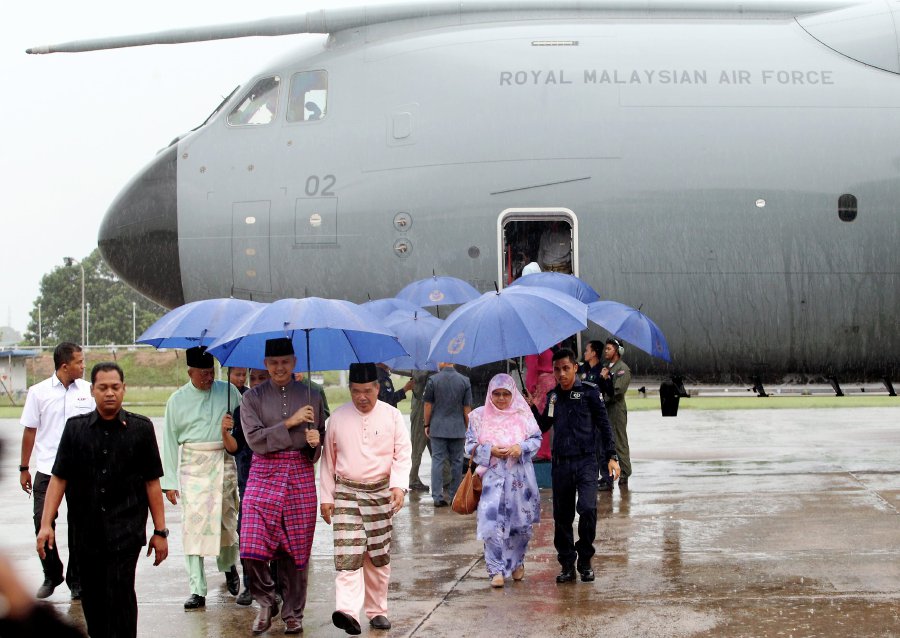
733,169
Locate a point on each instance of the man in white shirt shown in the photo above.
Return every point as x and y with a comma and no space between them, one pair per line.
48,406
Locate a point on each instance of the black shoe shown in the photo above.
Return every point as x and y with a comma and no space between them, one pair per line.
441,503
418,487
587,574
623,482
233,581
604,486
380,622
346,622
75,592
244,598
196,601
567,575
47,587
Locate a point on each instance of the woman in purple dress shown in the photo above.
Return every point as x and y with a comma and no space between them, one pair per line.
503,438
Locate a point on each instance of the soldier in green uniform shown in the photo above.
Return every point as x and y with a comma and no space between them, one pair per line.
616,377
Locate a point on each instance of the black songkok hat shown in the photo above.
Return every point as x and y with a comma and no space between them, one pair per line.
280,347
363,373
199,358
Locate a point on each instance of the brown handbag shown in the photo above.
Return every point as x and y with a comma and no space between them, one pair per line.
466,499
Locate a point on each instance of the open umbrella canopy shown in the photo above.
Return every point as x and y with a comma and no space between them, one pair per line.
509,323
569,284
438,291
198,323
414,330
328,334
631,325
381,308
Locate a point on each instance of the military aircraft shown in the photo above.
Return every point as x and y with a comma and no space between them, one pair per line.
730,167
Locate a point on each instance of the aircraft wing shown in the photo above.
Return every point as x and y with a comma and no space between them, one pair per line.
334,19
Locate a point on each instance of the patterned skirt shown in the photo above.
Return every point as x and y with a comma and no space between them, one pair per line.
362,523
278,515
209,498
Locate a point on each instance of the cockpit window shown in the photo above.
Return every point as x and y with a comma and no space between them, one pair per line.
309,96
259,104
224,101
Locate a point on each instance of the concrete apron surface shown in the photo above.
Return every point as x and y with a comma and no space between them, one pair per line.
736,523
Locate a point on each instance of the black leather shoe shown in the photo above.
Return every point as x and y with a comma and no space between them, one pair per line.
441,503
233,581
346,622
623,482
196,601
75,593
244,598
418,487
567,575
47,587
587,574
380,622
604,486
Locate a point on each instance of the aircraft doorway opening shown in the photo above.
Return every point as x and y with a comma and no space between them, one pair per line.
531,238
536,238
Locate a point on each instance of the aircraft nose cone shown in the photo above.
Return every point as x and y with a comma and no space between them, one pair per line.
139,234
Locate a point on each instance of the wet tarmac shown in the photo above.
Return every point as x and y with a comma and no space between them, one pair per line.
737,523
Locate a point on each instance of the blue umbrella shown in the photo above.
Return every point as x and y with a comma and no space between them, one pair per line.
197,323
381,308
569,284
631,325
331,332
415,331
509,323
438,291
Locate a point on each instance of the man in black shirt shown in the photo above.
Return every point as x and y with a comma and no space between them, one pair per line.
108,466
577,415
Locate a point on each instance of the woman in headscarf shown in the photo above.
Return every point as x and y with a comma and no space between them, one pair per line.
502,439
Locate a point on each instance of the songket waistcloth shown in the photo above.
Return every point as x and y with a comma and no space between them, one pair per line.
278,515
362,523
209,498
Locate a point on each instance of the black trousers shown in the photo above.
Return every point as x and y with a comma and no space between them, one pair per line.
107,593
574,490
52,564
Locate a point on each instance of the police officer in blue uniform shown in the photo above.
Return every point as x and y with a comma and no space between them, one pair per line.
386,390
577,415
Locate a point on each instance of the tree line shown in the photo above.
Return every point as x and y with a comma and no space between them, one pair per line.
110,299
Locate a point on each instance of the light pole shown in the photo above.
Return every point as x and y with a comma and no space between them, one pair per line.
133,321
71,261
87,336
40,331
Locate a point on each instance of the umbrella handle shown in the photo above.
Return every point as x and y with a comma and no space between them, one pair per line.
521,380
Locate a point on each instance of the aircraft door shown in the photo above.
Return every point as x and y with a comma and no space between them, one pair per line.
546,237
251,267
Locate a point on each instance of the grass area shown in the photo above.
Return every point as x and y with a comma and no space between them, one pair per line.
152,401
153,375
142,367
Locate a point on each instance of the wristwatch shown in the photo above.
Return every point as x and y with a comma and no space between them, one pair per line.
164,532
23,468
